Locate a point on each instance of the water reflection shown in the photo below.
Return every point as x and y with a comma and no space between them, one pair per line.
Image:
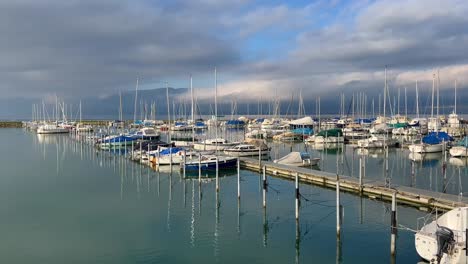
131,209
459,162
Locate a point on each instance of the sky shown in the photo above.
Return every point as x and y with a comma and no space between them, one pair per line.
261,49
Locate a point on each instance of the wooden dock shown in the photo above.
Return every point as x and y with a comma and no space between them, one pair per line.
374,189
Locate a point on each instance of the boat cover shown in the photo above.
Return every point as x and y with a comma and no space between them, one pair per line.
336,132
436,138
293,158
170,150
305,121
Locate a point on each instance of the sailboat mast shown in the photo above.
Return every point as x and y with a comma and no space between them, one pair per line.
193,104
120,106
168,113
216,95
80,112
433,87
438,88
417,100
455,106
136,100
385,93
406,104
398,111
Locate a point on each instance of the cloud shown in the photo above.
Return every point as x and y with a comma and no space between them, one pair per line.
84,47
92,48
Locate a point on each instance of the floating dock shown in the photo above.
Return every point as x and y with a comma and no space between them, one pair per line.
374,189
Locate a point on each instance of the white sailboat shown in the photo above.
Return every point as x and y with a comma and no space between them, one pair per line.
216,143
425,147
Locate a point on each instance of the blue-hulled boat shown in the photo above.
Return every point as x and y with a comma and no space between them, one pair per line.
208,163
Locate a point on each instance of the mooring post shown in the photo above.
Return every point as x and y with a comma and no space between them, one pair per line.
185,160
199,168
217,174
159,156
259,157
338,210
132,148
337,167
297,196
386,159
393,225
141,151
238,178
264,186
148,154
170,159
125,148
361,172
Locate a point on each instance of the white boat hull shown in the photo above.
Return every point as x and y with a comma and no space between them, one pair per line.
426,241
459,151
322,140
209,147
426,148
246,153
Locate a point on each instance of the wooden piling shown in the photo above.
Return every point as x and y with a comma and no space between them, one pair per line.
217,174
238,179
297,196
264,186
393,225
338,210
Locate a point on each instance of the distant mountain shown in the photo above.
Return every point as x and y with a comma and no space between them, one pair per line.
108,107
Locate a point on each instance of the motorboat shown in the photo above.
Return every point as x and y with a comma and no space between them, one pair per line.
210,163
214,144
444,239
298,159
377,142
146,133
246,150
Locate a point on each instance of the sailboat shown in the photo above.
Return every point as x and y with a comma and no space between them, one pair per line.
53,128
80,127
216,143
433,142
453,126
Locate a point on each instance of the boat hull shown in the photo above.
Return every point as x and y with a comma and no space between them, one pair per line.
246,153
223,163
459,151
426,148
205,147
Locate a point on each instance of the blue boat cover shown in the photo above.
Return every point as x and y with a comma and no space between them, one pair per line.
235,122
168,151
436,138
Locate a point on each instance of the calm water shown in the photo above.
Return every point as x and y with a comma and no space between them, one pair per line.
61,202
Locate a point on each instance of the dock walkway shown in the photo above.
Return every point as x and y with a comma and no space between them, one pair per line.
375,189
